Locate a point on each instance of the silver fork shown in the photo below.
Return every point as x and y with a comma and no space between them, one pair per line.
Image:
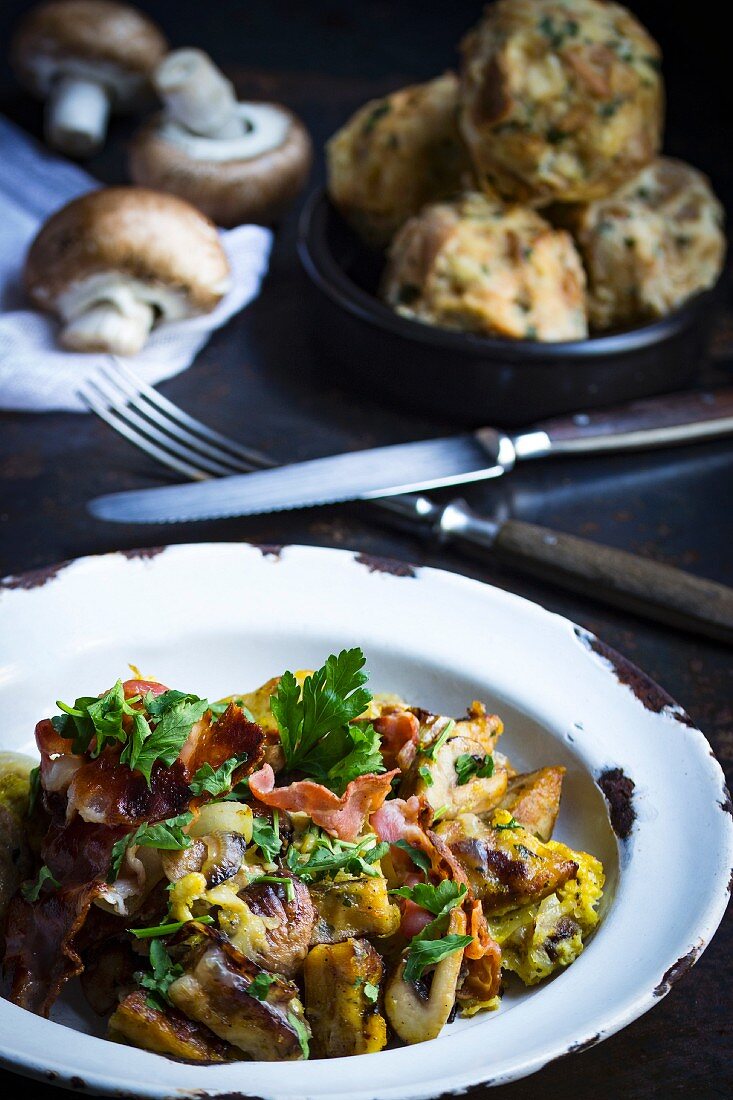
154,424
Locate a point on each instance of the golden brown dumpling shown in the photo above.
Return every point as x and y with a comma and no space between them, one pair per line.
650,245
479,266
561,99
394,155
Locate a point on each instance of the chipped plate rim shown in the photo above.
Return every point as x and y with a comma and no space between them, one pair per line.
644,736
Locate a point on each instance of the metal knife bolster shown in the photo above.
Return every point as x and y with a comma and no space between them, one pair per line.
454,520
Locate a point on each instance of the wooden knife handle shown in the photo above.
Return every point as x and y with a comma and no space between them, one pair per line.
657,421
616,577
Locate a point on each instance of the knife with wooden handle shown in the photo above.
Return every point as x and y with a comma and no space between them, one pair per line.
433,463
647,588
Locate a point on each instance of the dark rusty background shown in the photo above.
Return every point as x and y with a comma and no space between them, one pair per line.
258,379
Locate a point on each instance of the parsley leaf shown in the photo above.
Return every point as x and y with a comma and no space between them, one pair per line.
426,775
167,929
362,756
470,765
167,835
431,749
93,718
370,990
207,780
301,1031
266,835
512,824
118,854
259,987
424,953
422,950
330,856
32,891
280,880
176,714
438,900
164,974
314,722
418,857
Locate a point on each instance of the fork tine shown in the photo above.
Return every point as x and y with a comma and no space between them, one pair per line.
127,394
254,459
109,416
157,434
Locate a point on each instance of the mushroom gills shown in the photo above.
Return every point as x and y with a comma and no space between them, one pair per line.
110,312
263,127
77,114
198,95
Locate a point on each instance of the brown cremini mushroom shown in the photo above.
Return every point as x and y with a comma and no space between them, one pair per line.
114,262
86,58
238,162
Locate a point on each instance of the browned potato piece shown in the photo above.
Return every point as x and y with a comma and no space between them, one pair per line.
479,266
507,867
354,907
214,990
561,99
169,1033
395,155
341,994
533,799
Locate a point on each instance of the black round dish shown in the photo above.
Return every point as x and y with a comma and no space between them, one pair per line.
472,379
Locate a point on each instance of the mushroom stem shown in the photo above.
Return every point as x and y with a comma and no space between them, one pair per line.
104,327
198,95
76,115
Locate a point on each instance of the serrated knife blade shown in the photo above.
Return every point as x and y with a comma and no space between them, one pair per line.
359,475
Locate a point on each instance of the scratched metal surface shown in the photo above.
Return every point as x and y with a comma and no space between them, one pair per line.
258,379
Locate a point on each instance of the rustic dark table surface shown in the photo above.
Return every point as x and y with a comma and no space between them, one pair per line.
258,380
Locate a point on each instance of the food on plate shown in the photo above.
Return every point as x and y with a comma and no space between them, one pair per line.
560,99
394,155
479,266
649,246
117,261
15,853
237,162
86,58
271,876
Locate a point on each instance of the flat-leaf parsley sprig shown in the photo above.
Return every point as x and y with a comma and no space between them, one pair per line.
316,720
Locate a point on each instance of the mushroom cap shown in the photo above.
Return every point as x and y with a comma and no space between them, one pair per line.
230,191
73,35
155,240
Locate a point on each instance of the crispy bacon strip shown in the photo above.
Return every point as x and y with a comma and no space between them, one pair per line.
41,949
106,791
214,742
482,957
343,816
409,819
41,937
399,730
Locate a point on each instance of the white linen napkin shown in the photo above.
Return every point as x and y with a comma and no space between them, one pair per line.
35,374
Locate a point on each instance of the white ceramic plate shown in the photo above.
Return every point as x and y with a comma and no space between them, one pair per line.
218,619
